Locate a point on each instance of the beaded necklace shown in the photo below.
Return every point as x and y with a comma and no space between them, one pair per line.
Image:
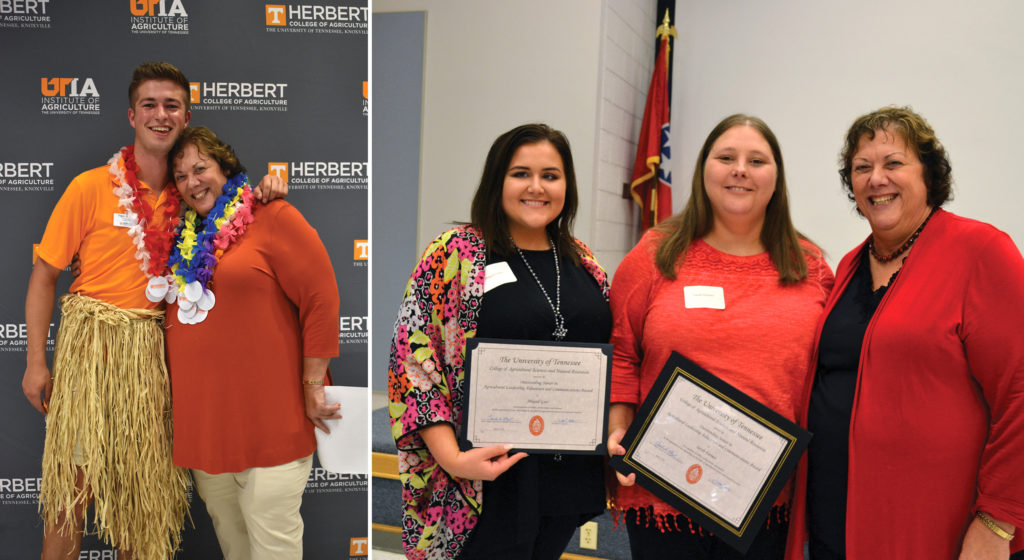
560,330
903,248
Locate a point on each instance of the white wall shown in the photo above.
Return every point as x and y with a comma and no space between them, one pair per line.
627,59
490,66
809,68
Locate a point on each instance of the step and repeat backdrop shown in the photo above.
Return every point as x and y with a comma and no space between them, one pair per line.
284,84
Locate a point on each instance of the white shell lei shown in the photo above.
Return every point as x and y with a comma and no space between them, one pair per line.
137,231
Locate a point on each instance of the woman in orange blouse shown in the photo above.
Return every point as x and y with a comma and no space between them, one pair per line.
251,326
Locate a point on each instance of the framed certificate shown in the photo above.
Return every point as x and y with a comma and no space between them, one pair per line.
540,397
711,451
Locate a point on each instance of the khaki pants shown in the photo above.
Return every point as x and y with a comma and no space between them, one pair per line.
256,512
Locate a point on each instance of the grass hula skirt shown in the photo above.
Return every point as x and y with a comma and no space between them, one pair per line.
111,395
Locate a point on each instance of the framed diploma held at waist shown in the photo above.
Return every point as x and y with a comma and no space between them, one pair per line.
540,397
714,453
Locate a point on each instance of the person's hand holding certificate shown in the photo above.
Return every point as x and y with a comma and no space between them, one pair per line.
710,451
537,396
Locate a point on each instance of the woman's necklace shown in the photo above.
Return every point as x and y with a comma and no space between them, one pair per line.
201,243
560,331
903,248
153,245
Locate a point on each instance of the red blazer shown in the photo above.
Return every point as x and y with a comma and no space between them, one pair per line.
937,430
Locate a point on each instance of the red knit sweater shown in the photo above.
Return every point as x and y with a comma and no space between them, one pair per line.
760,343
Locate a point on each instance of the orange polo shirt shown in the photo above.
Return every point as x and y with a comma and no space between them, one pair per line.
85,222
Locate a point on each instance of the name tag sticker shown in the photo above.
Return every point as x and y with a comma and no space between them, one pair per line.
122,220
497,274
704,297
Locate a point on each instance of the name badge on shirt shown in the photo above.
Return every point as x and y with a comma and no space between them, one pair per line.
122,220
497,274
704,297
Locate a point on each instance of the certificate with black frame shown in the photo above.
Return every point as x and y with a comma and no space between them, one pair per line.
540,397
711,451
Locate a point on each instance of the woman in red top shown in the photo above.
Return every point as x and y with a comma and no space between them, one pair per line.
764,286
916,400
251,327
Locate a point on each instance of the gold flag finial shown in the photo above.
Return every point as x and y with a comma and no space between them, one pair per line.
666,29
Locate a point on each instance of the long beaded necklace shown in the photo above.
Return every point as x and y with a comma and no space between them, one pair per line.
903,248
560,330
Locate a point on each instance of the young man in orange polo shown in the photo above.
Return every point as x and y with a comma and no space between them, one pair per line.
108,425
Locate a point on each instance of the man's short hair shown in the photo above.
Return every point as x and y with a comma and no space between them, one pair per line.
156,71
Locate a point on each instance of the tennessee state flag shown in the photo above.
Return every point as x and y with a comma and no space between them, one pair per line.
652,180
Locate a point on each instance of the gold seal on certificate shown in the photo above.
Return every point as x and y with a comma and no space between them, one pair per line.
711,451
542,397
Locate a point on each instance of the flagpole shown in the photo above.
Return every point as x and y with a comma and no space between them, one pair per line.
665,31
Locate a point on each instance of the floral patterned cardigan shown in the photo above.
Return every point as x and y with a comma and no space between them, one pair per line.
425,386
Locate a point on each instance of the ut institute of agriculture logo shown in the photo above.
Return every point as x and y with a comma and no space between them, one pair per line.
69,96
158,17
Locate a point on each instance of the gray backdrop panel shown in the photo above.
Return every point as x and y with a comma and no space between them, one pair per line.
398,99
319,53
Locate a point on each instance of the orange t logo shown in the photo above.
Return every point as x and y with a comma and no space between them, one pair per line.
361,250
357,546
278,168
276,15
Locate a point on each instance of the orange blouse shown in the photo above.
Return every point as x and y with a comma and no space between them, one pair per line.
236,377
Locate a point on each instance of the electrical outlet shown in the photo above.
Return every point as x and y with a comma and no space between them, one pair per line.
588,535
